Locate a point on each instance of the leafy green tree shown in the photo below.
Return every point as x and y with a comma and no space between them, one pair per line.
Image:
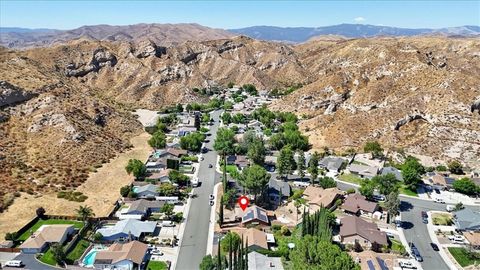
313,167
327,182
179,107
167,189
254,179
387,183
167,209
227,105
367,188
58,253
256,151
310,253
277,141
178,177
412,162
286,161
250,88
40,212
125,190
11,236
230,85
84,212
192,142
411,178
136,167
455,167
466,186
208,263
230,240
301,164
97,236
392,204
374,148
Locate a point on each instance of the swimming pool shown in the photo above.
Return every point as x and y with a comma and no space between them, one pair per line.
89,259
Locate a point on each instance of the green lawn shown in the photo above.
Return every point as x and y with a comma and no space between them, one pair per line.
398,247
407,191
75,254
464,257
157,265
47,258
351,178
40,222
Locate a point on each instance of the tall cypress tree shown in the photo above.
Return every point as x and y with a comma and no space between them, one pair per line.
219,257
230,251
246,255
220,215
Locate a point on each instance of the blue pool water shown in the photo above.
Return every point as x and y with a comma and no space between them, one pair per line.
89,259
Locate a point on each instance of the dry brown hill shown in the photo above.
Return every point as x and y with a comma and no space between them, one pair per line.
64,109
413,93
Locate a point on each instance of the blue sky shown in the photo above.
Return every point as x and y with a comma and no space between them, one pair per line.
237,14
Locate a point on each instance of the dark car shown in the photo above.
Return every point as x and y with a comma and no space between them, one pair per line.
437,191
424,214
416,253
434,246
204,150
210,166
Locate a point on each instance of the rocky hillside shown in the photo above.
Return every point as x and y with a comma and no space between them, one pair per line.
64,110
420,94
161,34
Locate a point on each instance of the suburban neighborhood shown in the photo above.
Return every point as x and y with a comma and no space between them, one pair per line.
357,209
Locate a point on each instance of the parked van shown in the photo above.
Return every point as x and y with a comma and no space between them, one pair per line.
450,208
14,263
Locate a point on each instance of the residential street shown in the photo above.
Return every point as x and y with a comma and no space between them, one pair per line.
414,229
194,244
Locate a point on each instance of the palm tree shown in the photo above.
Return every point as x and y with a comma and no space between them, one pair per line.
85,212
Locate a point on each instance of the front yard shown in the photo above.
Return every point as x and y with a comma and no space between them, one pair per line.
157,265
442,219
465,257
406,191
24,236
351,178
48,258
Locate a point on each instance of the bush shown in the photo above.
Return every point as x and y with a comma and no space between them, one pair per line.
72,196
350,191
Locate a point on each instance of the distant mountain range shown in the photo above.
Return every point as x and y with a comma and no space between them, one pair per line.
161,34
172,34
302,34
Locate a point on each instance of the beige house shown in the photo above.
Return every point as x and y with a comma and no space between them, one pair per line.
318,197
256,238
121,256
358,205
45,236
354,229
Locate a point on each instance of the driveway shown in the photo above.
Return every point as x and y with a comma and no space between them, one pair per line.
31,263
195,236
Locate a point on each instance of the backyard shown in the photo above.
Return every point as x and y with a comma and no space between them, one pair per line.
77,252
397,247
24,236
442,219
465,257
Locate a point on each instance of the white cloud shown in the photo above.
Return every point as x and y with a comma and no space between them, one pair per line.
359,19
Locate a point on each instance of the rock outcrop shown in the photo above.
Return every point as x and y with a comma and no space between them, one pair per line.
475,106
101,57
10,94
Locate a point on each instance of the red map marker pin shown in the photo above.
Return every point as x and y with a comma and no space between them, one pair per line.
243,202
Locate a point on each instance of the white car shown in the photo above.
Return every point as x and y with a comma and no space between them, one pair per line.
14,263
156,252
211,197
408,265
211,203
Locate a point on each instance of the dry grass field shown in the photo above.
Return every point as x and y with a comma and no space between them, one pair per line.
101,188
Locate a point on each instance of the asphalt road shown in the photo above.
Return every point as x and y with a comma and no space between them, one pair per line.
31,263
195,236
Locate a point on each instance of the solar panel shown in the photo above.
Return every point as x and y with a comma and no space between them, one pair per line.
383,265
370,265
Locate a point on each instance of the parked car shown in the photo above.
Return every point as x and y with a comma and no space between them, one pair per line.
439,200
156,252
211,197
210,166
167,223
211,203
450,208
378,198
14,263
425,220
434,246
408,265
456,238
416,254
436,190
424,214
390,235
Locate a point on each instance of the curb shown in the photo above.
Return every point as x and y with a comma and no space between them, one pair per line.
434,239
211,226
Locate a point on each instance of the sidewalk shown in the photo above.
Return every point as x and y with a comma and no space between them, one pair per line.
404,241
213,219
434,239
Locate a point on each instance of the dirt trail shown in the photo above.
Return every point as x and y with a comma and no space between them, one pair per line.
102,189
